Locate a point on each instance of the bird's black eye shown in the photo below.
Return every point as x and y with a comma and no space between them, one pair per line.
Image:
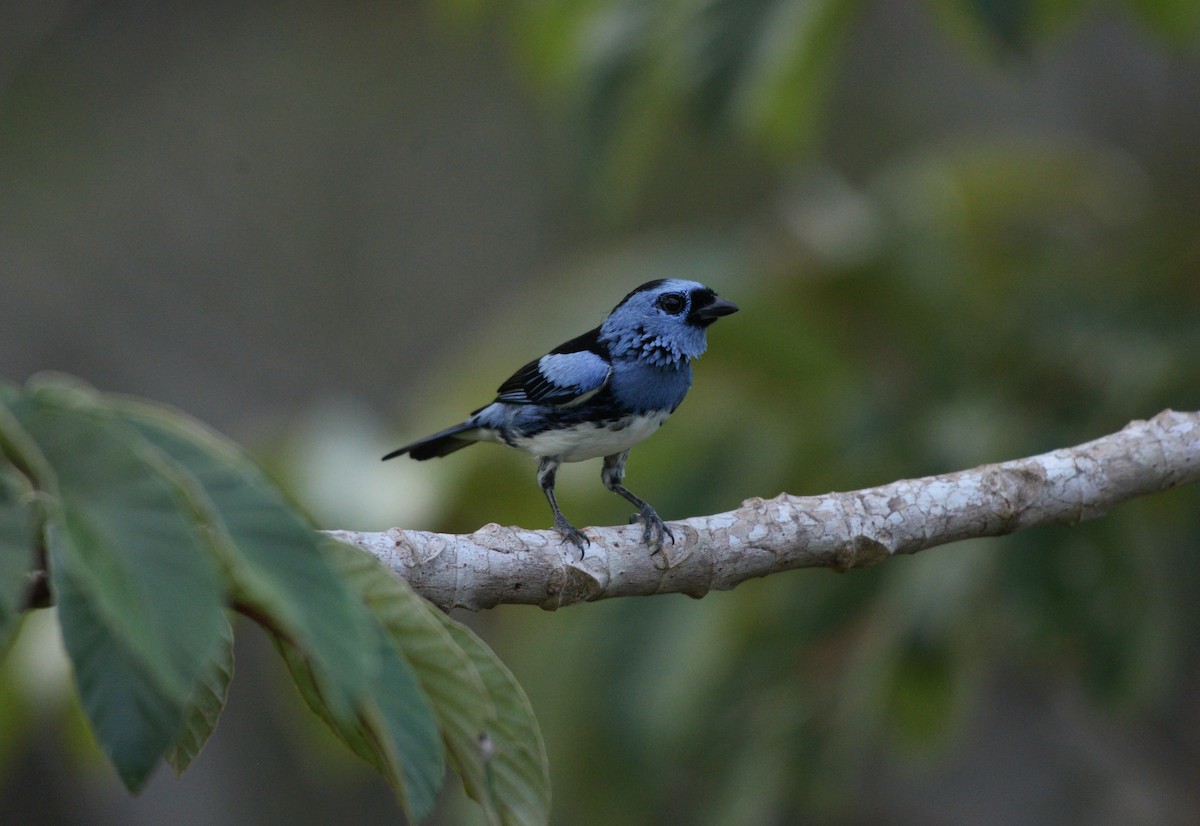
673,303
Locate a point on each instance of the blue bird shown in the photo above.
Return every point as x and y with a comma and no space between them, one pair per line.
597,395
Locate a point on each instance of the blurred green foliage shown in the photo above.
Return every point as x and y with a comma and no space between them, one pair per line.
973,301
642,83
933,274
150,528
1018,315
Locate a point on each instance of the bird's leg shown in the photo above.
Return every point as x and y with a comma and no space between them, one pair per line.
547,468
654,529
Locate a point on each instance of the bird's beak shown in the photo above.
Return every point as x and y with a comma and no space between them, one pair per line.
711,312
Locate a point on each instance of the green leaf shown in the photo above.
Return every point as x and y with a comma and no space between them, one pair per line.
448,677
271,554
133,719
518,773
393,727
140,599
486,722
15,443
200,715
19,516
18,554
401,709
344,726
123,531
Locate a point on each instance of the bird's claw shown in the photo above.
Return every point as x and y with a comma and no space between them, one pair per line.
654,530
572,534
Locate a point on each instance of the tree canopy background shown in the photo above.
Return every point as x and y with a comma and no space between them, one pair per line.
959,231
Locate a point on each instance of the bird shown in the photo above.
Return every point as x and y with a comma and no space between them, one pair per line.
597,395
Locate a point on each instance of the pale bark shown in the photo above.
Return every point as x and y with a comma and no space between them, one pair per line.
498,565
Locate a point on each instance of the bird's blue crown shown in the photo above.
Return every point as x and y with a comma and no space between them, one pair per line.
661,323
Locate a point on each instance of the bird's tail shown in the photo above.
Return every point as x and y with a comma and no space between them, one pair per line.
442,443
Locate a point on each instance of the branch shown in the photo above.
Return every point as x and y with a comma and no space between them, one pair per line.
498,565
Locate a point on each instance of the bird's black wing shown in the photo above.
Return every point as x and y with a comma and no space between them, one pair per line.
569,374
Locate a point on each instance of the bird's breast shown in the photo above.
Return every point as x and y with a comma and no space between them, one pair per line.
638,387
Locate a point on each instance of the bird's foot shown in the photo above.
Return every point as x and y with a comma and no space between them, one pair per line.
571,534
654,530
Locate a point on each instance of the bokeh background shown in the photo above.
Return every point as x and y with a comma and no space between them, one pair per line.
960,231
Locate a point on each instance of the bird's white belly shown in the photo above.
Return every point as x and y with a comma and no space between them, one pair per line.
587,441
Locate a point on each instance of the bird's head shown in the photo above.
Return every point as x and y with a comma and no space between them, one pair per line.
663,321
